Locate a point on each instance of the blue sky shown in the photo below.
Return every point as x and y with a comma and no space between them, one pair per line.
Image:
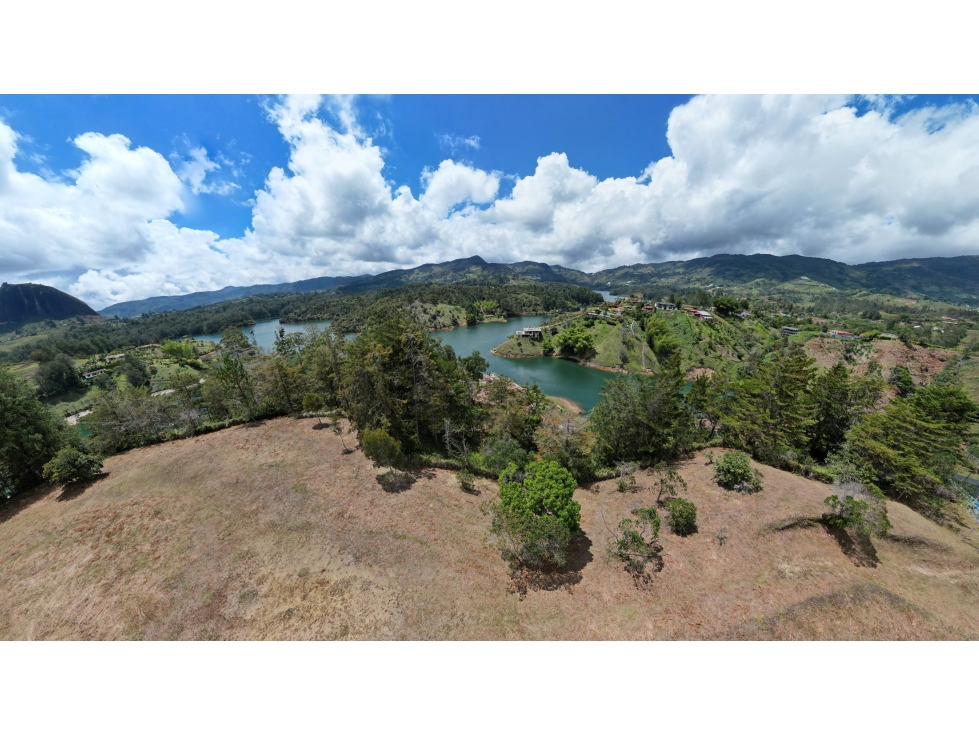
122,197
607,135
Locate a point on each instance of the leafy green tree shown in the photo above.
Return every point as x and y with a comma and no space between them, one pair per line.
337,427
313,403
668,482
186,388
643,419
381,448
515,411
543,488
500,451
683,516
129,418
180,351
398,377
635,542
575,340
71,465
530,540
901,379
29,435
660,337
237,384
726,305
474,365
137,372
57,375
566,439
283,382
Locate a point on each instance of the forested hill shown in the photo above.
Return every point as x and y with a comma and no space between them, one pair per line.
349,311
21,302
158,304
954,279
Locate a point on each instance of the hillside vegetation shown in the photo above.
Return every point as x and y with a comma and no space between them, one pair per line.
271,531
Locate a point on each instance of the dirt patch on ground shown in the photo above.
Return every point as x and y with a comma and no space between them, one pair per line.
271,532
922,362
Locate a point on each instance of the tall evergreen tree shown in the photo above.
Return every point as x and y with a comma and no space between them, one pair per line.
771,412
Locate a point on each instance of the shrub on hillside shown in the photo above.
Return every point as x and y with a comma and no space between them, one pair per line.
530,540
637,534
734,472
502,451
71,465
683,516
381,448
536,514
854,506
467,481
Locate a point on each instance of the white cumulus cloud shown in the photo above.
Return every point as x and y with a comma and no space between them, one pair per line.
808,175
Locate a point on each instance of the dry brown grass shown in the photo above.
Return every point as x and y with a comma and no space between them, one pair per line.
271,532
922,362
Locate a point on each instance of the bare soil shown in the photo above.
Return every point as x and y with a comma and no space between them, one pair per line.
922,362
270,531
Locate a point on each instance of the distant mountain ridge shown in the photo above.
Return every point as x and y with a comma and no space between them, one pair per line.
21,302
955,279
157,304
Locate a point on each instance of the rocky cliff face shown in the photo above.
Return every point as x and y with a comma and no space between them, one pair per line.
28,301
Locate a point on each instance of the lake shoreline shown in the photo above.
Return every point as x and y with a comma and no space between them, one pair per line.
590,365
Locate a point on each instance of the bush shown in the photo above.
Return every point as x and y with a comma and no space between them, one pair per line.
634,543
734,472
381,448
503,451
854,506
536,514
530,540
683,516
467,481
71,465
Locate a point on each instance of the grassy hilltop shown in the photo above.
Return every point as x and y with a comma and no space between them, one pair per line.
273,532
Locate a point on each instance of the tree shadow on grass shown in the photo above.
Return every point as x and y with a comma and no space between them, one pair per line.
10,508
552,578
643,578
77,489
395,481
855,546
320,426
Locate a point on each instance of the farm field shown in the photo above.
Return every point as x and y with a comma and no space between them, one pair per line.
270,531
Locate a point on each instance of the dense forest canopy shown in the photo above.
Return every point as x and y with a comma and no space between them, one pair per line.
350,311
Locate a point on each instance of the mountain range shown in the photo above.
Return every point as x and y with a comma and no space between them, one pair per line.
953,279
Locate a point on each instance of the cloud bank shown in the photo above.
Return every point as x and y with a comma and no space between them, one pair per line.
806,175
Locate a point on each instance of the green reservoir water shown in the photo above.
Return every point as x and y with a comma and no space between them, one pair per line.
557,377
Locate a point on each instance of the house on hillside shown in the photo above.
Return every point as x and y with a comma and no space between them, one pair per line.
531,332
839,334
663,306
787,331
703,315
94,373
744,315
115,356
